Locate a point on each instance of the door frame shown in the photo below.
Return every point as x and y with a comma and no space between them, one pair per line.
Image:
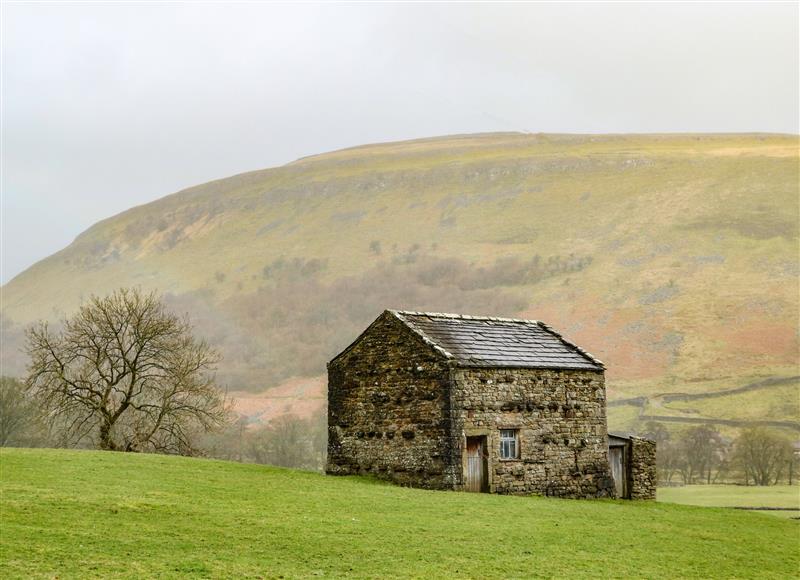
624,467
484,439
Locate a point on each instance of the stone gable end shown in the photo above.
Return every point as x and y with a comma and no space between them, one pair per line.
388,408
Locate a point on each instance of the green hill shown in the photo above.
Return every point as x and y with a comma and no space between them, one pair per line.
70,514
673,258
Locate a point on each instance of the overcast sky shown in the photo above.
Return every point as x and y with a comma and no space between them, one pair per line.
106,106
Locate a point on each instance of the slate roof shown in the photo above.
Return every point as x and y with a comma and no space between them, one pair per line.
625,435
497,342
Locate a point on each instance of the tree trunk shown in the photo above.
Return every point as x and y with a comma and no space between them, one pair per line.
106,443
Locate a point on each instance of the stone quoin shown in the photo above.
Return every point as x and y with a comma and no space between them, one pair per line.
445,401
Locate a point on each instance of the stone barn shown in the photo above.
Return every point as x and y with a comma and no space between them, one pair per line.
444,401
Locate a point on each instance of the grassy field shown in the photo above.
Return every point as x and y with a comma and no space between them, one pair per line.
782,496
92,514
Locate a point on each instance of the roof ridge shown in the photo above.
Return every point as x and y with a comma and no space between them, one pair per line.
464,316
402,314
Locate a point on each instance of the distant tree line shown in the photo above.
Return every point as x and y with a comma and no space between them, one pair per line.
285,441
21,422
701,454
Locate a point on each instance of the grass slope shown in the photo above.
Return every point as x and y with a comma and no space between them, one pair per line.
685,245
774,496
84,514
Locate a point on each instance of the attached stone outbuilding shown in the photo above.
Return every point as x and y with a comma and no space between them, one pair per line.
446,401
633,466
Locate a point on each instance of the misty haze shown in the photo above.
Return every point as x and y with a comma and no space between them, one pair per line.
546,250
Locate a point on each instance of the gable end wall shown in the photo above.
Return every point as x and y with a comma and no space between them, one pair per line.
388,409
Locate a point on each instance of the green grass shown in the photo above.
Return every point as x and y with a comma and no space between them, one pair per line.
93,514
783,496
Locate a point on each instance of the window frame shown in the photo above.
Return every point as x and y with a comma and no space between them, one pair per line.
503,439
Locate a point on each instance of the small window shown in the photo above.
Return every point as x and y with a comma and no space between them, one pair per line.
509,444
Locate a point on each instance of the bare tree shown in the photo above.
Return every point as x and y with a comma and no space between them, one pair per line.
703,447
670,461
127,373
319,438
227,443
670,458
657,432
19,416
287,441
762,455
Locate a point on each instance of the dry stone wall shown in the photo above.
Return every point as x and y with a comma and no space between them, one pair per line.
560,416
643,476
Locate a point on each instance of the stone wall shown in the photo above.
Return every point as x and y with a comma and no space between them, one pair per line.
388,409
561,418
643,475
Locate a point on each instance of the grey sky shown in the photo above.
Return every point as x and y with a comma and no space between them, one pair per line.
106,106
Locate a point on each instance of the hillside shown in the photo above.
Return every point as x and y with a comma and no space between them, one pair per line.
673,258
100,514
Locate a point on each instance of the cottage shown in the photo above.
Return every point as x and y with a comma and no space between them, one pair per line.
446,401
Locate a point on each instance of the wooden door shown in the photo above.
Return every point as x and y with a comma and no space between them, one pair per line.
475,472
616,457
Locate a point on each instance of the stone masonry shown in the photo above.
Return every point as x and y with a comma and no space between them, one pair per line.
389,409
643,475
561,419
406,395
